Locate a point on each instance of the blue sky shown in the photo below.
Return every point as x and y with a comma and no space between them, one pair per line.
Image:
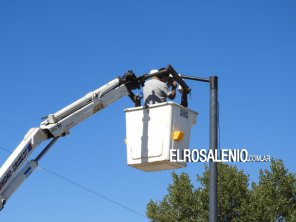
54,52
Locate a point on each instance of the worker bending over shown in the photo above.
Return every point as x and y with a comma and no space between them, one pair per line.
157,89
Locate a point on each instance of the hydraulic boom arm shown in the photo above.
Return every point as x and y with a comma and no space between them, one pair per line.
17,168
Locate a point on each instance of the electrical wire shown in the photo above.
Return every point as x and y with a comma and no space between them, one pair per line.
91,191
6,150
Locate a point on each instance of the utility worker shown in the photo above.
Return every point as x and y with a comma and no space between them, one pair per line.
157,89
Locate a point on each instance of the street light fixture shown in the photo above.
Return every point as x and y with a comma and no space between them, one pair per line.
213,168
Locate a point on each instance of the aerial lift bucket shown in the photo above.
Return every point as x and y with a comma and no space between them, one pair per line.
152,132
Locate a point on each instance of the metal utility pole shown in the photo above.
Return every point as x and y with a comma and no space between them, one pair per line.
213,174
213,168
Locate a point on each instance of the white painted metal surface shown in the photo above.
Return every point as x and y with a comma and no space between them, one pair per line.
149,135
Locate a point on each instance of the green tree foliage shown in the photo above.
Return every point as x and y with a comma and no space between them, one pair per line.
233,193
273,198
181,204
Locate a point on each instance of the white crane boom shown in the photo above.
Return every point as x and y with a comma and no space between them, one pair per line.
16,169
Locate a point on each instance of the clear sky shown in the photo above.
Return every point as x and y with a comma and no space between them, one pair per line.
54,52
